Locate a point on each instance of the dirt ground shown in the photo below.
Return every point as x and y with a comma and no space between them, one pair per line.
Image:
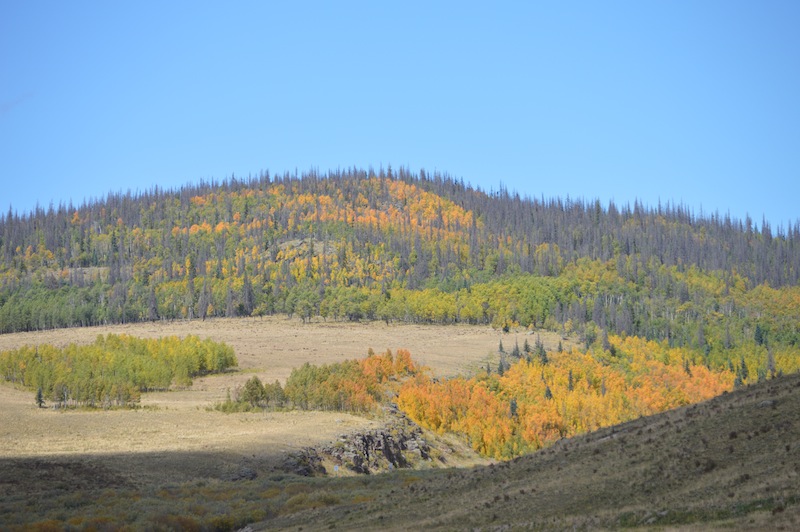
179,423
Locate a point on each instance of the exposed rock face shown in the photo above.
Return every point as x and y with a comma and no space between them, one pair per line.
399,444
306,463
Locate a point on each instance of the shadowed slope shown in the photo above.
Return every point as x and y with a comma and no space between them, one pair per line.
732,460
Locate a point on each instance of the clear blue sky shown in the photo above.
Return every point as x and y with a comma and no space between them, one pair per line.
691,101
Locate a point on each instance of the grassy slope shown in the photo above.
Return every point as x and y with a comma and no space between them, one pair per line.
734,460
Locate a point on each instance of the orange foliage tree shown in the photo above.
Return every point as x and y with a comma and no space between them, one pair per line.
535,403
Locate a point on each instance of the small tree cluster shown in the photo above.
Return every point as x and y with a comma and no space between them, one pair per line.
352,385
114,370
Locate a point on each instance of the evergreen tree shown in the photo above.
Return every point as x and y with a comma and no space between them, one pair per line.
759,336
541,352
254,392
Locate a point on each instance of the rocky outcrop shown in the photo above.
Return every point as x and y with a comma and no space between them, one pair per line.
398,444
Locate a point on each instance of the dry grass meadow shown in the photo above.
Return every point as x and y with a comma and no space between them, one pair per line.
180,422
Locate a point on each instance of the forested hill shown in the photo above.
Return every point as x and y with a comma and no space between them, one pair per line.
398,246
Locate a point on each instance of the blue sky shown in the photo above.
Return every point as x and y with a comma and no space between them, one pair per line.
685,101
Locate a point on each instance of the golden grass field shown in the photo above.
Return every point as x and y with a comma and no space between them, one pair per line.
180,422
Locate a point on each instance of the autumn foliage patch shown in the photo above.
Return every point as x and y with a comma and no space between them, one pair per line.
352,385
537,401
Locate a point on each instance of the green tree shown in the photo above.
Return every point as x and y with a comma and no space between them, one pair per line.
254,392
760,336
743,371
273,394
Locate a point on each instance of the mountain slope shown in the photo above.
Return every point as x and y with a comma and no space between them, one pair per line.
734,460
356,244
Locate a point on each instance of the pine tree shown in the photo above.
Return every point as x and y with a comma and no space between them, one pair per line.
540,350
759,336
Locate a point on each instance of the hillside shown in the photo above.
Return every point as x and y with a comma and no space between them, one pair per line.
395,246
642,310
731,461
